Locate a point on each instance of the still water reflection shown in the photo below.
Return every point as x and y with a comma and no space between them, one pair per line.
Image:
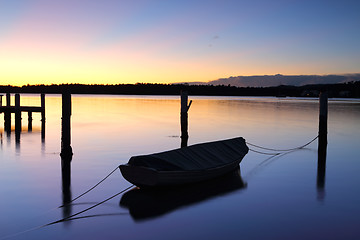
147,204
284,196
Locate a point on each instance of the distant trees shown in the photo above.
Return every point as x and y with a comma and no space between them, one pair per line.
350,89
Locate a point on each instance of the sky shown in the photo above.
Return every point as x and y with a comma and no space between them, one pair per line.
166,41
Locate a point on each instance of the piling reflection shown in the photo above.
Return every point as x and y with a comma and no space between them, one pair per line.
17,139
66,186
43,130
30,121
321,169
18,133
144,204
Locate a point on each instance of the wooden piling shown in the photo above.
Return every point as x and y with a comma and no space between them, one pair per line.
42,96
7,115
17,113
184,118
66,152
8,103
323,116
66,149
322,143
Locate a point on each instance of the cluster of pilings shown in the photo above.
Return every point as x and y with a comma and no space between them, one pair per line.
17,109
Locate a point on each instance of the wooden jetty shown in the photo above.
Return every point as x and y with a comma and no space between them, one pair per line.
17,109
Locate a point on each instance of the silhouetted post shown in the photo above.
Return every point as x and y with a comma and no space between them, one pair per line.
7,115
1,100
17,113
66,149
184,118
42,96
322,144
8,103
30,121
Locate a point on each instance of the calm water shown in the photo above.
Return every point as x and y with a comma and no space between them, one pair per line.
275,198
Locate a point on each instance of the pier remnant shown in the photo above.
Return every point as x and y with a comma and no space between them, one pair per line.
42,97
17,113
66,152
17,110
322,143
66,149
184,118
7,115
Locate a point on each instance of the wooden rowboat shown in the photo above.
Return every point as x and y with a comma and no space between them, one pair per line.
186,165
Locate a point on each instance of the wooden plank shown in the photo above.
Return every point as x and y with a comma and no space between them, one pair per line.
12,109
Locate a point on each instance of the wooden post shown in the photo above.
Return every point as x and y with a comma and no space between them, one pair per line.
30,121
42,96
1,100
8,103
66,152
66,149
7,115
184,118
17,113
323,115
322,144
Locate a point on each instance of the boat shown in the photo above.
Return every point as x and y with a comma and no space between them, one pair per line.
185,165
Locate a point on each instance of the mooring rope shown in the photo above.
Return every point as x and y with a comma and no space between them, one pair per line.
87,209
71,217
274,154
97,184
266,162
278,150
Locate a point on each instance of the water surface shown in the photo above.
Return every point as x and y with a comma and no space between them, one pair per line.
275,197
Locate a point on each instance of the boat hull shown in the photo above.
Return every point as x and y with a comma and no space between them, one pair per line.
149,177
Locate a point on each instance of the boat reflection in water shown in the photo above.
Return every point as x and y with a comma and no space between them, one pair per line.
147,203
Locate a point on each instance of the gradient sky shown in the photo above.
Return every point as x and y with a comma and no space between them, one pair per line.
164,41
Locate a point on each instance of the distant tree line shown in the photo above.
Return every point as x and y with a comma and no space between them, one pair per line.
350,89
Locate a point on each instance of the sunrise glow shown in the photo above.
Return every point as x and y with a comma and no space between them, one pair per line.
112,42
